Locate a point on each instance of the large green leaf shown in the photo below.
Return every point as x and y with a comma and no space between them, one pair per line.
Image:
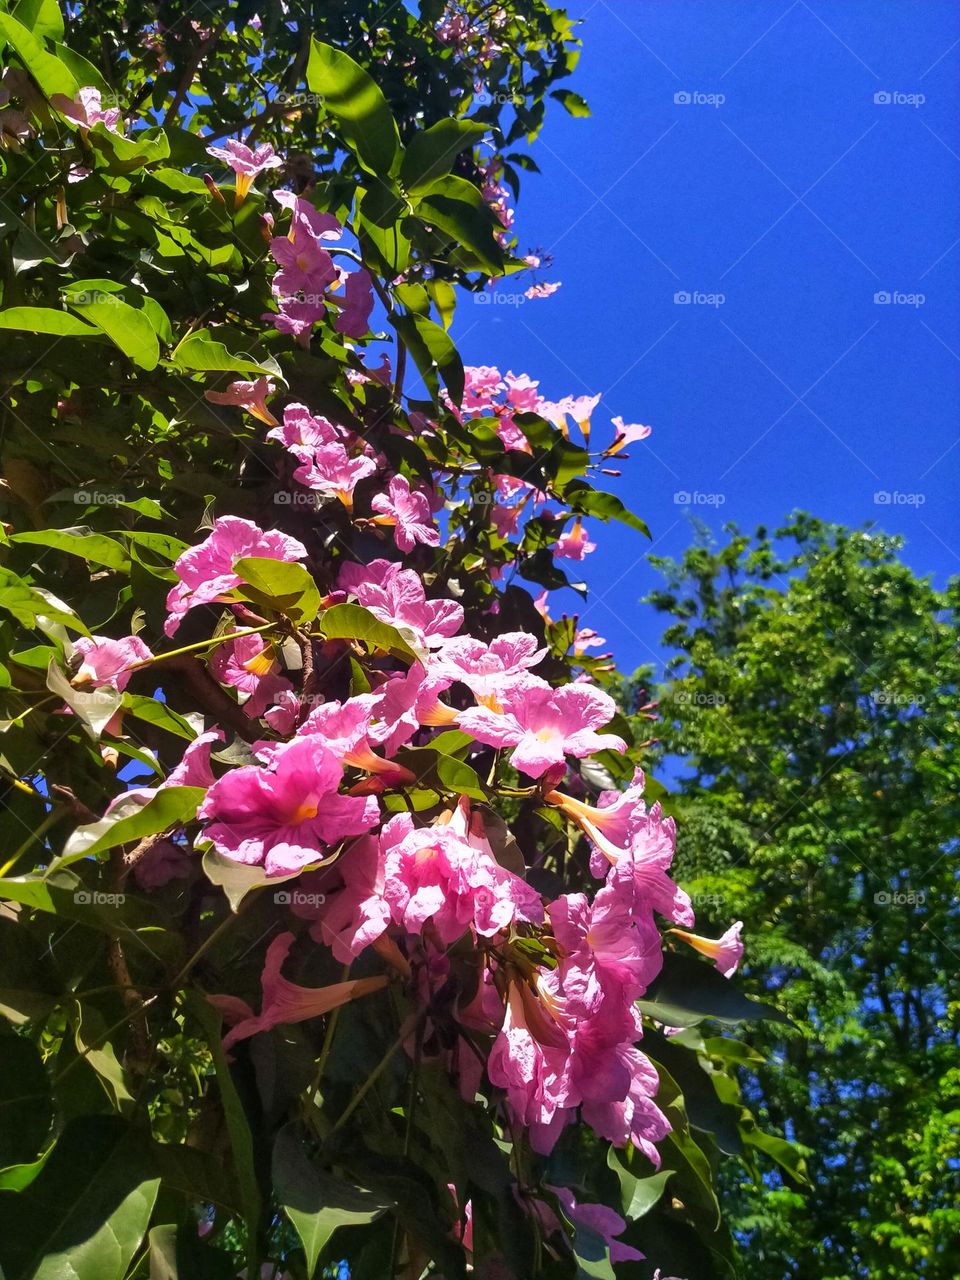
584,499
431,152
128,328
446,775
283,586
85,1214
130,821
49,72
359,105
42,17
46,320
434,352
95,548
201,352
637,1195
456,208
237,879
315,1201
354,622
687,991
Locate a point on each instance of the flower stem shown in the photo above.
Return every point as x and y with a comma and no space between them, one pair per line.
222,638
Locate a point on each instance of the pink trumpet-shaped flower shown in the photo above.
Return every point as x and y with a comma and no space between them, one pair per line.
86,109
322,226
206,571
249,665
627,433
573,543
487,668
396,595
354,318
303,430
331,471
245,163
251,396
305,267
543,724
286,814
726,952
108,662
408,510
285,1001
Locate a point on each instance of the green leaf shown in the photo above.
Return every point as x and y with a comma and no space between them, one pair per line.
637,1195
354,622
126,155
434,352
49,72
129,329
237,879
159,714
199,351
34,607
90,1035
350,94
46,320
42,17
316,1202
456,208
431,152
96,548
27,987
686,991
130,821
444,299
588,501
444,774
288,588
85,1214
573,103
26,1104
84,72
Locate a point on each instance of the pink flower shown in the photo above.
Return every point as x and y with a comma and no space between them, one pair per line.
305,267
330,470
251,396
108,662
354,318
627,433
529,1060
296,319
481,384
206,571
396,596
573,543
636,1118
438,874
726,952
356,915
346,728
543,724
488,668
246,164
404,703
600,1220
521,392
87,110
284,1001
506,520
408,510
285,815
249,665
542,290
305,216
302,430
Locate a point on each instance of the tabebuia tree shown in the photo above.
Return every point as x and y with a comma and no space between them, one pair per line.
337,928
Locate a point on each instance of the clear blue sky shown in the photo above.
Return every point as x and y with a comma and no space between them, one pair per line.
798,198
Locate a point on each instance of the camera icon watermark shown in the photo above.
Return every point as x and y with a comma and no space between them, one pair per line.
697,698
900,898
894,98
92,297
284,99
694,498
94,898
287,498
96,498
694,98
895,498
297,898
890,698
896,298
695,298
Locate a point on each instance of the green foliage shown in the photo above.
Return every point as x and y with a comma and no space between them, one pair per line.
812,703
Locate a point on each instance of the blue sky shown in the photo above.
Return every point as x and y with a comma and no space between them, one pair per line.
783,185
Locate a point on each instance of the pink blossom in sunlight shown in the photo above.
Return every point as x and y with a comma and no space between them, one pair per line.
726,952
247,164
251,396
408,511
573,543
206,571
543,725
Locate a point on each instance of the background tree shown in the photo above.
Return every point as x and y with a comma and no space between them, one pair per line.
812,711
